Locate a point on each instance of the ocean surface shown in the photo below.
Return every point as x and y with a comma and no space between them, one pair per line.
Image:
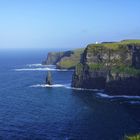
30,110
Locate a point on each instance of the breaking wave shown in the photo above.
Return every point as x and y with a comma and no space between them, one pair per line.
40,67
117,96
67,86
134,102
35,69
34,65
46,85
99,93
84,89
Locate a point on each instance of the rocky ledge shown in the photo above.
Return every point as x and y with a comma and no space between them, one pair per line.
113,66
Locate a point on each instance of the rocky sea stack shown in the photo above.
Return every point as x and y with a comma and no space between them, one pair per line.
49,78
113,66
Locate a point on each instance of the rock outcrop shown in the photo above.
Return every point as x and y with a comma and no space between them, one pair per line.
114,67
49,78
64,60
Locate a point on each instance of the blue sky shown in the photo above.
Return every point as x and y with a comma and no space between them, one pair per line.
67,23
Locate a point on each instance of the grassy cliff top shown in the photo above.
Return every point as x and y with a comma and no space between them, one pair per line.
72,60
135,137
76,51
114,45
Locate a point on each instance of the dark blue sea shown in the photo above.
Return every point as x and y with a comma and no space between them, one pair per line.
31,111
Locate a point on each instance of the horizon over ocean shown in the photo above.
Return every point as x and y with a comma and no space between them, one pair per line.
29,110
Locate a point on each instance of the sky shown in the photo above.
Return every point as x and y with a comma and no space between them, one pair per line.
66,23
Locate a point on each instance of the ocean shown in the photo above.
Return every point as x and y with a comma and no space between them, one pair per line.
29,110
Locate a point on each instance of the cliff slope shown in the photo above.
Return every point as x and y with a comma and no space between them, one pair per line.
114,67
64,60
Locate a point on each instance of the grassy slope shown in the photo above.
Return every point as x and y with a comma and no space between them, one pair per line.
135,137
116,46
72,61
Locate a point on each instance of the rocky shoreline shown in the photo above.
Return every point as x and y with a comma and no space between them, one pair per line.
112,66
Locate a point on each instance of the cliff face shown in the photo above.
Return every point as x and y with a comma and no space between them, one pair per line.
54,57
114,67
64,60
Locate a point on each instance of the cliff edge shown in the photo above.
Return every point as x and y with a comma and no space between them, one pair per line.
113,66
64,60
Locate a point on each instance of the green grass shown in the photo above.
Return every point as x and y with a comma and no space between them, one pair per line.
79,50
113,46
67,64
72,60
126,70
116,69
131,41
135,137
98,66
119,47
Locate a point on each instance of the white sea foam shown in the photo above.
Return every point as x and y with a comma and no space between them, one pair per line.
40,67
34,65
83,89
118,96
134,102
36,69
103,95
46,85
67,86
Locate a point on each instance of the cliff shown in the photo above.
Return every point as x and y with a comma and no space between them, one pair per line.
64,60
53,58
113,66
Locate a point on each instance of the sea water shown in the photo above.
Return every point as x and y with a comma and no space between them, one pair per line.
29,109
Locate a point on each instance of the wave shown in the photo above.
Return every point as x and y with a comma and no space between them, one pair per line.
40,67
103,95
46,85
117,96
84,89
67,86
134,102
34,65
36,69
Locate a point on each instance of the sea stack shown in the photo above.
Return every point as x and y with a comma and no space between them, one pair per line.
49,78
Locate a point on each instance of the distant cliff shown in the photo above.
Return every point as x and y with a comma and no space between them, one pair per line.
64,60
54,57
114,67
